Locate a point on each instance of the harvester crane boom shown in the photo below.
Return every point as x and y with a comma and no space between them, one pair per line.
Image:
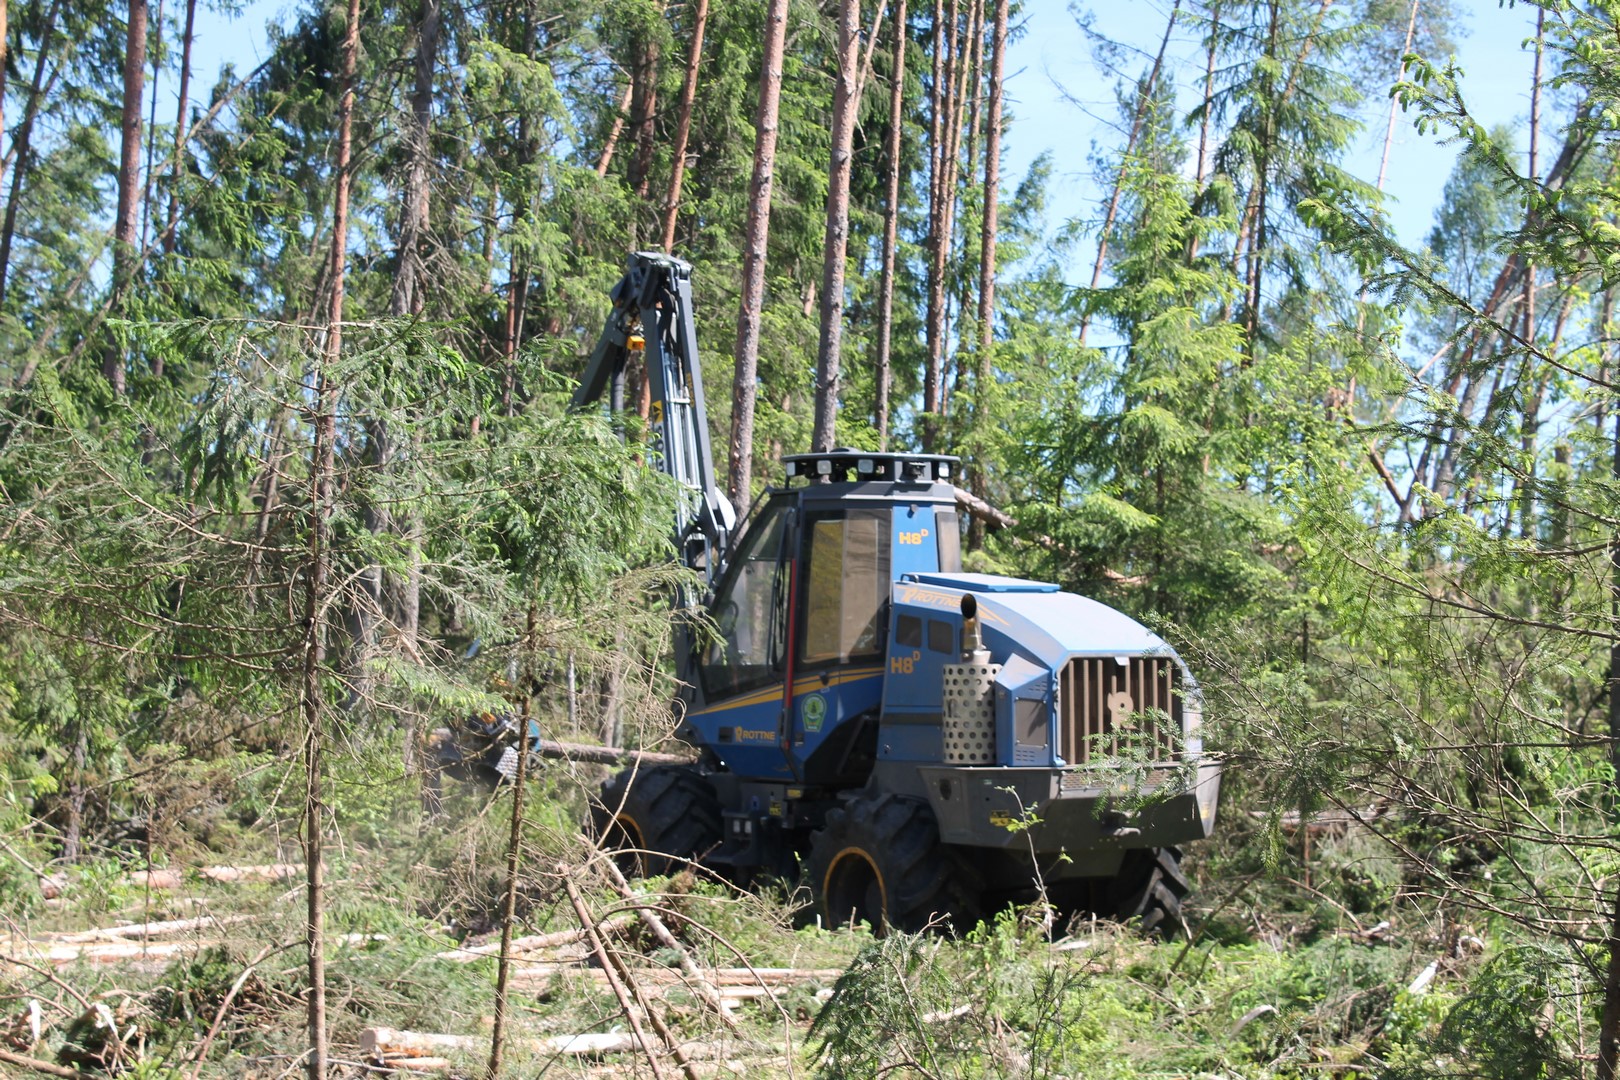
652,315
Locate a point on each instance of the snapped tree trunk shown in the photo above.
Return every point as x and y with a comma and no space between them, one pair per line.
756,234
891,225
836,244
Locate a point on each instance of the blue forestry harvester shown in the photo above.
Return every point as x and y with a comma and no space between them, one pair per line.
912,742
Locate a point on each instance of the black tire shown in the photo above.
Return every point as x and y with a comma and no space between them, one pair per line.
878,860
658,820
1150,887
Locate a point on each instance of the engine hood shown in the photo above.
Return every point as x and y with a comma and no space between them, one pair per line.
1043,621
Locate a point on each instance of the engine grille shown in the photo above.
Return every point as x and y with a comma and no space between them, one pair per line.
1106,708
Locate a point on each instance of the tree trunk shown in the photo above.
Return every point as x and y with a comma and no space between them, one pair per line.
943,222
22,145
643,115
1394,101
1209,97
129,178
517,296
321,487
407,295
1144,100
683,128
932,375
1262,179
514,851
172,219
891,224
5,58
151,128
836,245
1609,1025
612,142
987,247
755,240
967,106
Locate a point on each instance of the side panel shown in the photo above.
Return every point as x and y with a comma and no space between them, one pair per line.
924,636
743,733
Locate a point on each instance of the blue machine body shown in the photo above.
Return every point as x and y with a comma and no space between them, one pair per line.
786,728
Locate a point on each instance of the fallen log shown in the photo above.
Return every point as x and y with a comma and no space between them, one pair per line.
533,943
423,1064
154,879
112,952
1332,822
598,755
270,872
608,755
395,1046
976,507
145,930
49,1068
721,978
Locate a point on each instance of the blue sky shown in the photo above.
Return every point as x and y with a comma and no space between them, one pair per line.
1053,61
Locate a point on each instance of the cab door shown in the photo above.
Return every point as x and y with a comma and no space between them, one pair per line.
842,623
742,667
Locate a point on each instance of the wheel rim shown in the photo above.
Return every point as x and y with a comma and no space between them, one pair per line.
625,840
854,892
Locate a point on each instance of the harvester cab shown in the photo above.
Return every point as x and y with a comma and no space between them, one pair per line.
913,743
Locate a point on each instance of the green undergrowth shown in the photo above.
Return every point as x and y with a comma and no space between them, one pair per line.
1298,966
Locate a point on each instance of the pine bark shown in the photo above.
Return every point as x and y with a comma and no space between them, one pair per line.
683,128
943,220
992,190
756,235
836,245
322,474
932,374
129,177
643,114
891,225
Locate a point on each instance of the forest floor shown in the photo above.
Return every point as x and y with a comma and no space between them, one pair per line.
195,968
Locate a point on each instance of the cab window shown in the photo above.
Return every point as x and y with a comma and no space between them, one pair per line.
749,613
846,587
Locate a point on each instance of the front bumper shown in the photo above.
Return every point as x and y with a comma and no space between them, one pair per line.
1074,810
